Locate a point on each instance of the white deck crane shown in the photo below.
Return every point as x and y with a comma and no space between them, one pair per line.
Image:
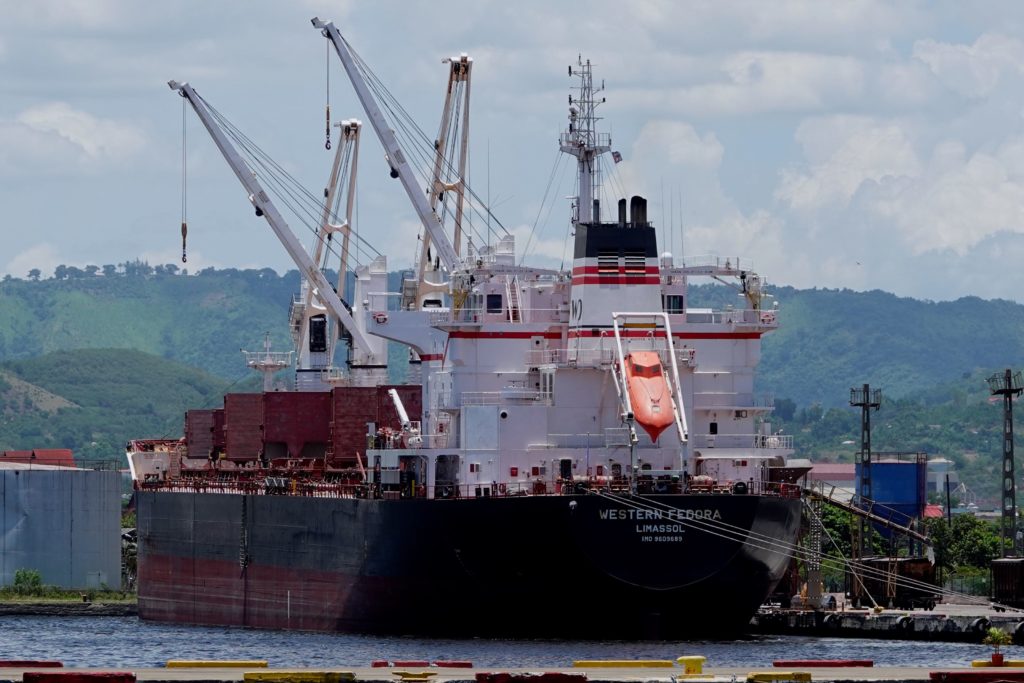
456,100
395,156
306,307
362,346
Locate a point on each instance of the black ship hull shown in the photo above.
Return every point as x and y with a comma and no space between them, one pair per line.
576,566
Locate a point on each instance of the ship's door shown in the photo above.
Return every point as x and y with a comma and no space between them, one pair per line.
446,476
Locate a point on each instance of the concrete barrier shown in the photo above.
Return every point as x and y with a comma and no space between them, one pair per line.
298,676
216,663
624,663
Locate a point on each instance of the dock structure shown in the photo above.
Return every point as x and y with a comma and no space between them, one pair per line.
949,623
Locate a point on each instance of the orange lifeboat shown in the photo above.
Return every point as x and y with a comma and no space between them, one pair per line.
648,392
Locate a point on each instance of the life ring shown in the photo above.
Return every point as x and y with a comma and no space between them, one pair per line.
905,623
380,318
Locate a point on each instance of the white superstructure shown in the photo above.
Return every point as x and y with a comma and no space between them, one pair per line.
524,369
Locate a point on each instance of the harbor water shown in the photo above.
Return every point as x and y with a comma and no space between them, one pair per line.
129,642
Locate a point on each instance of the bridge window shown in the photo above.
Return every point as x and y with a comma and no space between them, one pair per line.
673,303
494,304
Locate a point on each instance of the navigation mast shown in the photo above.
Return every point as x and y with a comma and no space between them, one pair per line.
584,142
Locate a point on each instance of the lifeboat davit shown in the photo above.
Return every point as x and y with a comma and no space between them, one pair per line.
648,392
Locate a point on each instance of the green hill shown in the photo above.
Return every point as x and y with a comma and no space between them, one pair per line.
93,400
831,340
200,320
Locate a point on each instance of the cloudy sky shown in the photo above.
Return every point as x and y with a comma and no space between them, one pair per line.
859,144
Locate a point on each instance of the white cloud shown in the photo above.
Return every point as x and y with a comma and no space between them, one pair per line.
684,145
756,82
973,70
960,201
98,139
79,14
42,255
756,237
848,152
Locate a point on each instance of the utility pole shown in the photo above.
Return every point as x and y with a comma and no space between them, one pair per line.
864,398
1008,385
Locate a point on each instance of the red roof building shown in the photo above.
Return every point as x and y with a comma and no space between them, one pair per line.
60,457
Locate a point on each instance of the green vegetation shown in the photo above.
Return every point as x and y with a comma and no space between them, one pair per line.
997,638
109,396
969,543
955,420
200,320
28,586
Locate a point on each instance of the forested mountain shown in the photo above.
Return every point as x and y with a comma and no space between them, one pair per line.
185,332
93,400
199,320
831,340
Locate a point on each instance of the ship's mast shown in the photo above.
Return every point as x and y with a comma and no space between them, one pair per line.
584,142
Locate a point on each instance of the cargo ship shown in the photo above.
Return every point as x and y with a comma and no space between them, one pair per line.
584,454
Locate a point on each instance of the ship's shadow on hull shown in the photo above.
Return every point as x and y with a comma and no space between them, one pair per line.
580,566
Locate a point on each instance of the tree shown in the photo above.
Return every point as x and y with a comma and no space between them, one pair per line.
785,408
34,274
60,272
91,270
109,270
969,542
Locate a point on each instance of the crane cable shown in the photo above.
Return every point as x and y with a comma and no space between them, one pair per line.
305,202
327,70
184,187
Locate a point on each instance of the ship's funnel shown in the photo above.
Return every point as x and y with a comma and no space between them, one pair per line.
638,210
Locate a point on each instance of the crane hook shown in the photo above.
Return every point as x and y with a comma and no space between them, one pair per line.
184,234
327,145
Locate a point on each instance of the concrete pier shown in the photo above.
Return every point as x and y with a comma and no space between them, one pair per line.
947,622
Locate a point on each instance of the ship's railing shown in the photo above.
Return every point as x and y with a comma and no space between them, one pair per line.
598,356
494,398
268,358
712,263
742,441
733,316
731,400
479,315
647,482
608,438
